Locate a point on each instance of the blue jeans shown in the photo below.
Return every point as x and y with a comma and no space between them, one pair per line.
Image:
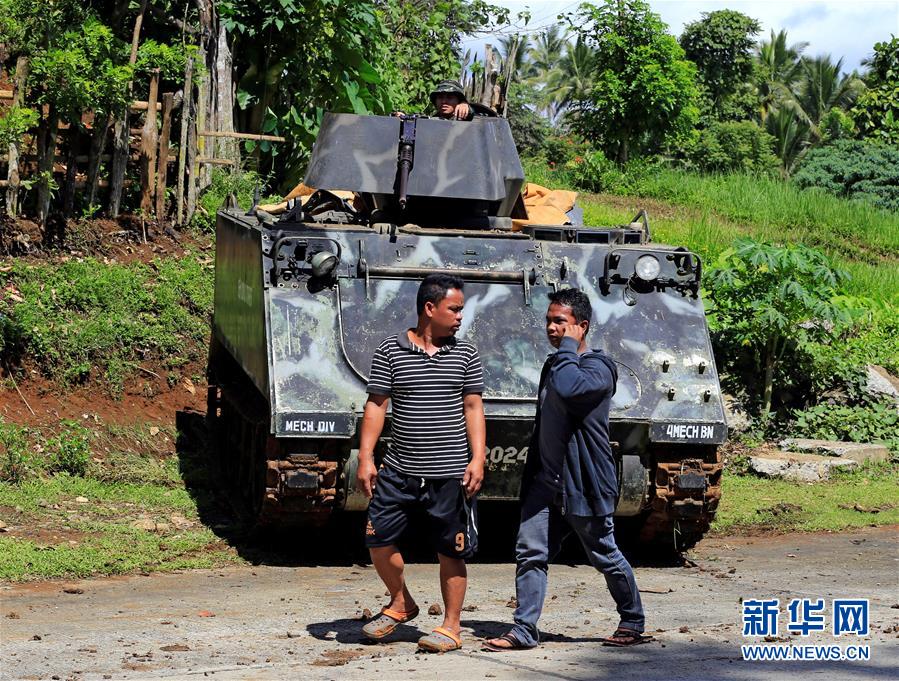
543,527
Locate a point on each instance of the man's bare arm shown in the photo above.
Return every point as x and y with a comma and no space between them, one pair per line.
476,427
372,425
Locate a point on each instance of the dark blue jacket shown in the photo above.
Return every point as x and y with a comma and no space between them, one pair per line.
585,385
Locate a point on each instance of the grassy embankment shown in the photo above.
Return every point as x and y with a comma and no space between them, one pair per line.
102,323
92,494
706,213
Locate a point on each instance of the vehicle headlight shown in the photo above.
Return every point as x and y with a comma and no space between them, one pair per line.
647,267
323,263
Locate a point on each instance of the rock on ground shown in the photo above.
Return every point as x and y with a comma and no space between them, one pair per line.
798,467
857,451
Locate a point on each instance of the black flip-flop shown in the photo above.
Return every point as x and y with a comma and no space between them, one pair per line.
622,638
514,644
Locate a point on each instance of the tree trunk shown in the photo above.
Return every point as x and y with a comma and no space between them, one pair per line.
622,154
149,138
205,108
122,143
770,359
223,97
98,146
162,166
12,176
46,143
68,201
186,105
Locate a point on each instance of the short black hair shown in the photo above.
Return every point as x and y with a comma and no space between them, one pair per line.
576,299
434,287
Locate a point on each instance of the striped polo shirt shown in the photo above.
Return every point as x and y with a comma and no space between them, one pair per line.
428,436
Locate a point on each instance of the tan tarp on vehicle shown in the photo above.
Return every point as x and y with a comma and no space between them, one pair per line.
544,206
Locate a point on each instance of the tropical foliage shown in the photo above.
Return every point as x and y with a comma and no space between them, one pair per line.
854,169
609,75
721,45
643,94
876,112
771,301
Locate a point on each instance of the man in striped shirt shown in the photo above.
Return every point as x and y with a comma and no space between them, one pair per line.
435,461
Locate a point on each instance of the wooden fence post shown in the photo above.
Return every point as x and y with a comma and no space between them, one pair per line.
122,136
162,167
200,174
192,165
148,140
182,146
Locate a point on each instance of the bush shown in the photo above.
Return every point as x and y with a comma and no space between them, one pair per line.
77,317
734,147
14,123
865,422
69,451
593,172
840,365
855,170
16,462
242,184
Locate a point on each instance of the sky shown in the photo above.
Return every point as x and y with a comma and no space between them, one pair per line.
841,28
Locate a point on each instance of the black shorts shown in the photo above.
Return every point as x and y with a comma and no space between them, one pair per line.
452,520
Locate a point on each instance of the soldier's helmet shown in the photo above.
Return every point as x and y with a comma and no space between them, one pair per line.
453,87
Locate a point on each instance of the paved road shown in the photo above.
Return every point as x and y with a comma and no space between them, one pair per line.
268,622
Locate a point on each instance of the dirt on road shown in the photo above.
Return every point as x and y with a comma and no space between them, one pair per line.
274,621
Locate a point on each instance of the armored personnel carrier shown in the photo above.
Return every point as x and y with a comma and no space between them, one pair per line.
302,299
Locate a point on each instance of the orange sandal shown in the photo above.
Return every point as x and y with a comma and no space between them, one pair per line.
385,623
441,640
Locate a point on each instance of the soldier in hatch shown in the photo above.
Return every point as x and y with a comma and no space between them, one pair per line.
450,103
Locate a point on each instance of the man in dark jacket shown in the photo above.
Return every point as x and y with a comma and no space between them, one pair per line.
570,479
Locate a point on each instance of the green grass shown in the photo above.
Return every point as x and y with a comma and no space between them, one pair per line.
109,549
750,503
707,212
31,494
105,541
80,320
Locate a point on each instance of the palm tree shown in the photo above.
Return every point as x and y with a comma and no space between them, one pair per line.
796,93
517,46
779,69
548,50
791,134
822,87
573,78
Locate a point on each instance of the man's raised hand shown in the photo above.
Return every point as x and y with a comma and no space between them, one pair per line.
575,331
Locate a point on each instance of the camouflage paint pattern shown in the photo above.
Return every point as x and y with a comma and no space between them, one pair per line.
306,341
